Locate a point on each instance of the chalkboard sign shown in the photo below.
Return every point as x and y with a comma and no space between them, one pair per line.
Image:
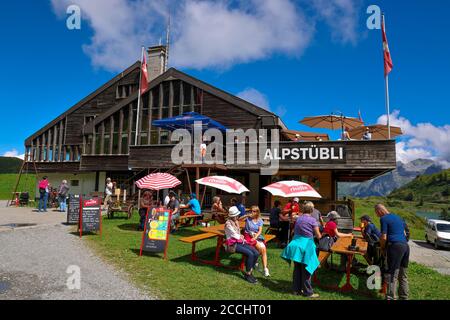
156,230
73,209
90,218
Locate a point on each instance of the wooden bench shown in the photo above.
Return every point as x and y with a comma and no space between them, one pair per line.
194,239
182,219
323,256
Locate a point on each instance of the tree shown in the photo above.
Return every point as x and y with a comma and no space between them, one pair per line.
420,204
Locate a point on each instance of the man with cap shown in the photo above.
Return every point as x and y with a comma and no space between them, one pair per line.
235,243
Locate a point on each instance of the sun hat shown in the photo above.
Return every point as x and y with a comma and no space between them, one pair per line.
333,215
296,199
233,212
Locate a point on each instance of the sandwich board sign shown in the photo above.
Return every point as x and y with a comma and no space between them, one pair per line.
90,215
156,230
73,209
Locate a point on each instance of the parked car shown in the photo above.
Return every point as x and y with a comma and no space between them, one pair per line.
437,232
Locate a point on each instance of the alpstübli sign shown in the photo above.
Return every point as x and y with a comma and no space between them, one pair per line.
312,153
156,230
91,215
73,209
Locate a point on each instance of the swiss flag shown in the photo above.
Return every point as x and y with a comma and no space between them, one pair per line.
144,73
388,65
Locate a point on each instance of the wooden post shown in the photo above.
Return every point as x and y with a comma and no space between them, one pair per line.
150,115
38,149
160,105
44,146
55,137
94,140
111,135
119,143
192,98
60,142
70,153
181,97
130,124
197,186
189,180
171,99
141,112
204,189
102,138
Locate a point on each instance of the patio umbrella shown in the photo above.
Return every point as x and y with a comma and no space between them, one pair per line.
378,131
187,121
291,188
333,122
158,181
223,183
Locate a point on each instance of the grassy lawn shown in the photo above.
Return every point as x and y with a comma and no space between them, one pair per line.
180,278
8,181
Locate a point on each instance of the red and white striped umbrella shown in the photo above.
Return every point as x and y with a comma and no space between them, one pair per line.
291,188
158,181
223,183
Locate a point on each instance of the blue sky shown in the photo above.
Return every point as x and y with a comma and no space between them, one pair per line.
299,58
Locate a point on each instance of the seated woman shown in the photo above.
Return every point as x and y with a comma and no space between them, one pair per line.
146,202
235,242
219,214
331,230
254,237
302,250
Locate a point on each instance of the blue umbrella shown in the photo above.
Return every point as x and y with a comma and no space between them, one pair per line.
187,121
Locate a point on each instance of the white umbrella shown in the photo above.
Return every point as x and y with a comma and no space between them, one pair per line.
291,188
223,183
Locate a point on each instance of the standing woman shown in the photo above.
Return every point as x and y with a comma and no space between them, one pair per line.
235,243
253,236
146,202
302,250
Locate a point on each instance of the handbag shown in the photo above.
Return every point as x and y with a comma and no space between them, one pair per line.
230,248
325,243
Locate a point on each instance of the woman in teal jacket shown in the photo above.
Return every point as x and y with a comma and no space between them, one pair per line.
302,250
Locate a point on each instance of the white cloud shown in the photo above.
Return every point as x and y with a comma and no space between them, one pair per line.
423,140
14,154
254,96
341,16
207,34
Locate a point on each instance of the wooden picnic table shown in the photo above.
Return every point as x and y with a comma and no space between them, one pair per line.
219,230
341,247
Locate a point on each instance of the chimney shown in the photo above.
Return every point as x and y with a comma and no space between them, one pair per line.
156,63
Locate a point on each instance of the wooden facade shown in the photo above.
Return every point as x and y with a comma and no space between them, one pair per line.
98,134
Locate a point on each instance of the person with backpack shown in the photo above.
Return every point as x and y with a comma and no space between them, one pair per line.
43,194
372,235
63,190
394,244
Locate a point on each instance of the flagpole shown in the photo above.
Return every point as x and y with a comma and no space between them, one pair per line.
139,99
386,83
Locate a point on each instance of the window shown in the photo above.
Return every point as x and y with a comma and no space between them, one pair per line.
74,183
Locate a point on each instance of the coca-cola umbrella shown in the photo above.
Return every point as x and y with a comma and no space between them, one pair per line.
157,181
290,189
224,183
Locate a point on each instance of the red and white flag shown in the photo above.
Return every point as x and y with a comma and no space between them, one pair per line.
144,73
388,65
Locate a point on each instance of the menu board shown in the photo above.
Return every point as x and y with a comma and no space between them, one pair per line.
90,218
73,209
156,230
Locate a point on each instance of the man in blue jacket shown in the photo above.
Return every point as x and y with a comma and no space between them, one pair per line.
394,244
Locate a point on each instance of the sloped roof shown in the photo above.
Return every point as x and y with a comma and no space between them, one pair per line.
80,103
174,74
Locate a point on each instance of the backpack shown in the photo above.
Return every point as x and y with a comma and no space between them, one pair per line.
325,243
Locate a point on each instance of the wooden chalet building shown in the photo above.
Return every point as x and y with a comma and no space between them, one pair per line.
94,139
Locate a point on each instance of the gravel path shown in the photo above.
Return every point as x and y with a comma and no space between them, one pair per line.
425,254
34,261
